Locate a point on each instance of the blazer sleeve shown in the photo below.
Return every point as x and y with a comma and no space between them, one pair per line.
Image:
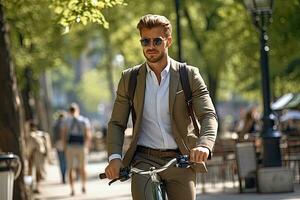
119,118
204,110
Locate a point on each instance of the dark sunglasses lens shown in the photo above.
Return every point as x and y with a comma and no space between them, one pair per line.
145,42
157,41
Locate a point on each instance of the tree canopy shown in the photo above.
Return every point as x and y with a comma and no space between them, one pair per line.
217,36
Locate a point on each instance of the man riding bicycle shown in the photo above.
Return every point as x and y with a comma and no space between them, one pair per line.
163,128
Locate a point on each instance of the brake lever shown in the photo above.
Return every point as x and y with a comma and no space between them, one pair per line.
183,161
124,174
112,181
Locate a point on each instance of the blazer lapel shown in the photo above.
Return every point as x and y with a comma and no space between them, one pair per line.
140,95
174,81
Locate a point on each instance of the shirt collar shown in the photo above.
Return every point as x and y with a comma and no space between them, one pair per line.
164,72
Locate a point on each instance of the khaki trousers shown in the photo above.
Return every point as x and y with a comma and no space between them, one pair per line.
76,157
180,182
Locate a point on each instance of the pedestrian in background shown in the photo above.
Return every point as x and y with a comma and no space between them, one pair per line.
76,134
249,125
38,147
58,143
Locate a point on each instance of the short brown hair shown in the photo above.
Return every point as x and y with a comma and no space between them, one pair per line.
73,107
151,21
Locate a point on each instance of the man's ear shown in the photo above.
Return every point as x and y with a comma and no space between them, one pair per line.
169,41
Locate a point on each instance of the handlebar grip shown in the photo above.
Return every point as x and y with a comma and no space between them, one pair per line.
102,176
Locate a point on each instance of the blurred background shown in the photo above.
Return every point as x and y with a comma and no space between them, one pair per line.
62,51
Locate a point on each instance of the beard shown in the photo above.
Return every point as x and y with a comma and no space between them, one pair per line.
154,58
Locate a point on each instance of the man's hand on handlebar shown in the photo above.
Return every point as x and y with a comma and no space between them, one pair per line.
113,169
199,154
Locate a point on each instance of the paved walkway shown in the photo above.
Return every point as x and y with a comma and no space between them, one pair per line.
52,189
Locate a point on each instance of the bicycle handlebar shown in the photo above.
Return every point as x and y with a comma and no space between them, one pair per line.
180,161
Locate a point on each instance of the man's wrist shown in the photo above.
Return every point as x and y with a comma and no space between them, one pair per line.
114,156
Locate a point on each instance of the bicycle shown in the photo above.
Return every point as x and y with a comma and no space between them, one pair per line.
158,188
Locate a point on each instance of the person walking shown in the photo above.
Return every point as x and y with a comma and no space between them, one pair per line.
58,143
249,127
162,128
76,134
38,147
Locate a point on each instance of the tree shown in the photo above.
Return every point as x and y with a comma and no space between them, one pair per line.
284,32
219,38
30,50
10,106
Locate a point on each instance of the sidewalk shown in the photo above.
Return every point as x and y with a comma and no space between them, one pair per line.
52,189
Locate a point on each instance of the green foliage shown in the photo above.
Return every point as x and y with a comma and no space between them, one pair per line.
285,45
94,89
91,96
63,78
34,35
225,44
231,46
229,43
82,11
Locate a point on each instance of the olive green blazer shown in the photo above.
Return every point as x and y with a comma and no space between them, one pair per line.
182,126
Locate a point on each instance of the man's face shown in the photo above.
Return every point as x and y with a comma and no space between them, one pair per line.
155,44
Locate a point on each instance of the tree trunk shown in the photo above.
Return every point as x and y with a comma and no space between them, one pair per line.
26,95
42,103
80,67
212,87
212,80
11,129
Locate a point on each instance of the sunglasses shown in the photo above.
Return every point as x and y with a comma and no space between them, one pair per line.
155,41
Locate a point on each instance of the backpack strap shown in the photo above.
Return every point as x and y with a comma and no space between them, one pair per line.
131,91
188,94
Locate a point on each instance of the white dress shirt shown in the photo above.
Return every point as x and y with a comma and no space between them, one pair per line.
155,131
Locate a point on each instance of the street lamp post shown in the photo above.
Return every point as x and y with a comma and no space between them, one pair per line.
178,28
261,11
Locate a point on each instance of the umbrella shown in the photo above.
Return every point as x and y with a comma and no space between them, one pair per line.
282,102
287,101
292,114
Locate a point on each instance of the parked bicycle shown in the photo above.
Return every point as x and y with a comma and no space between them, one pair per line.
158,187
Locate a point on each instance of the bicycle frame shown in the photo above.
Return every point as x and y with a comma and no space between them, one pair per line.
158,190
158,187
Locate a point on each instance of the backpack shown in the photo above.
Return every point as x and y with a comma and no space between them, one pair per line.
185,86
76,136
